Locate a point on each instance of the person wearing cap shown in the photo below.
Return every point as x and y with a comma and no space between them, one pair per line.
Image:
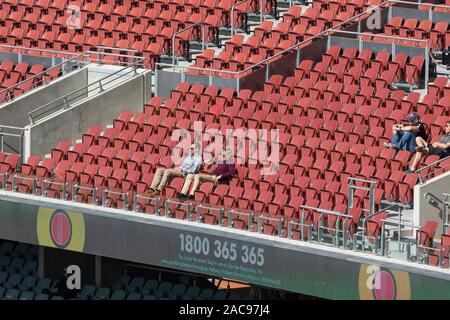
439,148
190,165
222,173
404,137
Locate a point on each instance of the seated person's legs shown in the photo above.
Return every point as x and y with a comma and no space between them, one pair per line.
168,174
407,142
157,179
186,185
199,179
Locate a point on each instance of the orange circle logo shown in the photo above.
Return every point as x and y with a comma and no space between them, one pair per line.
60,228
377,283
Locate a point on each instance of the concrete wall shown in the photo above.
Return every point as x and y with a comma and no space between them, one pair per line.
71,123
15,113
423,211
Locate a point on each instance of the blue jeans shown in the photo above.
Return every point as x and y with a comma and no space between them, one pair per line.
405,141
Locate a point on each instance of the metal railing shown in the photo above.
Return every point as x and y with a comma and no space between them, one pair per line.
179,204
279,222
16,133
320,227
248,216
83,92
123,195
305,230
232,14
427,167
302,226
352,186
39,79
92,191
446,212
201,217
401,226
370,216
137,204
202,27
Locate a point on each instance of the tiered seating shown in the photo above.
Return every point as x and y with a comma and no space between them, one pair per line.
296,26
146,26
437,34
19,280
332,123
11,74
128,288
18,272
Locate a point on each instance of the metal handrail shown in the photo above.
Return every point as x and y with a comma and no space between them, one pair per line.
249,216
181,204
221,213
232,14
38,49
123,194
50,182
140,196
182,30
320,221
369,216
278,220
65,100
302,225
399,224
41,74
77,187
32,179
418,171
15,135
446,203
381,36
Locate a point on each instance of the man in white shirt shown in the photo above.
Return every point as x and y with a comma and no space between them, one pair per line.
191,165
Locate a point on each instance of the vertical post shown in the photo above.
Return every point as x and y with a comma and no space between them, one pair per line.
350,194
156,80
383,240
261,11
1,139
399,211
297,58
98,271
259,224
389,13
427,66
41,261
22,159
371,199
203,36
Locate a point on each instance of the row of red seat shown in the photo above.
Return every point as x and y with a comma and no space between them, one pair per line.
11,74
144,26
437,34
435,8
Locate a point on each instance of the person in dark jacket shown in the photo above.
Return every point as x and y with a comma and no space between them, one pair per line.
60,288
439,148
222,173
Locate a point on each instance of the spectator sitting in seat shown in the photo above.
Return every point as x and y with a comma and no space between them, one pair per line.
191,165
222,173
404,137
440,148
